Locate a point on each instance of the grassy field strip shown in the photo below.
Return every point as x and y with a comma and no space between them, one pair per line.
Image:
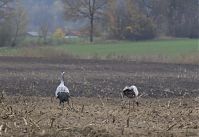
179,49
170,48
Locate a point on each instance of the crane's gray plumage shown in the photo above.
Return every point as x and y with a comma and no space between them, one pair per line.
130,92
63,97
62,92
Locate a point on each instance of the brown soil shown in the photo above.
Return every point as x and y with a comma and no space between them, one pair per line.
169,105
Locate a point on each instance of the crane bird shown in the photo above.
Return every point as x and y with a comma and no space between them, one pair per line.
130,92
62,92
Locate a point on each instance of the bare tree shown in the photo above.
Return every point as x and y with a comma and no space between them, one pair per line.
4,3
44,29
44,21
4,8
6,30
19,22
90,9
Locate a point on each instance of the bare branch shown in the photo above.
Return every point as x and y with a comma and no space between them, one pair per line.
90,9
4,3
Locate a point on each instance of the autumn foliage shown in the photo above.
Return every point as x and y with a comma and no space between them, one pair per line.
59,33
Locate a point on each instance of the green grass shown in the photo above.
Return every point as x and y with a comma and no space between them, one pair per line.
171,49
161,47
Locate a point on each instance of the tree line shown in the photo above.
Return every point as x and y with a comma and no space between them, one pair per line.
138,19
111,19
13,22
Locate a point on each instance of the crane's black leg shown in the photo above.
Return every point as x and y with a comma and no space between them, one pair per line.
136,101
60,102
72,103
62,106
129,106
69,104
123,103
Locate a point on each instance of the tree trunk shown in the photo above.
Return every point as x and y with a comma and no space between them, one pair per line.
91,12
91,29
13,44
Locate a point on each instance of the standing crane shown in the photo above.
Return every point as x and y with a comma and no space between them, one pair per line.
62,92
130,92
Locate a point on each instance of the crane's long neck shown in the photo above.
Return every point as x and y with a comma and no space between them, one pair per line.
62,79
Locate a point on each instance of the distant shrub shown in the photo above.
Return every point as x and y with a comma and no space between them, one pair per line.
59,33
143,28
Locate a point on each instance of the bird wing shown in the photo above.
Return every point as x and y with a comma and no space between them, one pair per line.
134,88
61,88
126,88
129,93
